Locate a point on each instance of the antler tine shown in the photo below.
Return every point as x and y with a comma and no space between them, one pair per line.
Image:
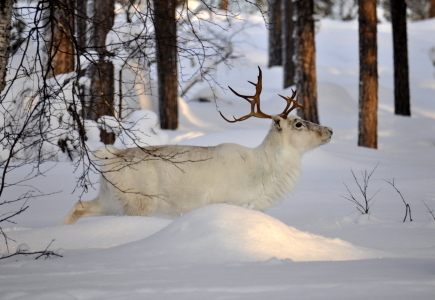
292,103
241,96
255,112
235,120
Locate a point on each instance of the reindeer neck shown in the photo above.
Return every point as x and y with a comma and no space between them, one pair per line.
276,149
279,165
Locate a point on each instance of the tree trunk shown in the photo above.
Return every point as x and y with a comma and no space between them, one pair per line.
101,93
432,9
223,5
102,16
81,17
400,50
305,50
5,38
61,50
368,78
288,44
166,39
275,33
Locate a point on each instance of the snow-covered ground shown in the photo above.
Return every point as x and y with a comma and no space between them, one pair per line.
315,245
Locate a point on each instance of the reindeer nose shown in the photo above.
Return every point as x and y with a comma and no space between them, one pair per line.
329,129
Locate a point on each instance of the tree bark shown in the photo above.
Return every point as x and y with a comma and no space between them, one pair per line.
6,7
288,44
432,9
368,78
275,32
61,50
81,23
400,50
101,96
166,39
81,11
223,4
102,16
305,60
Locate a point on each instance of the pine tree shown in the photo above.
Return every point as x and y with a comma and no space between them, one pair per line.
288,44
432,9
400,51
305,50
275,32
166,39
59,32
368,78
223,4
80,21
102,93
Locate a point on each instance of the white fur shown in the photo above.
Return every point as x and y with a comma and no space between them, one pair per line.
174,179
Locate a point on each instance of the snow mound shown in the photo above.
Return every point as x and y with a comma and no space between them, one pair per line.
223,233
101,232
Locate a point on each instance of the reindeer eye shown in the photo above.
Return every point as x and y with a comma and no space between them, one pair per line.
298,125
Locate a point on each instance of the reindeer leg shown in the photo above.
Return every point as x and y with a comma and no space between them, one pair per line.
84,209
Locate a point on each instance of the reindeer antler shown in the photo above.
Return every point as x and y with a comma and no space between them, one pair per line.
254,102
292,103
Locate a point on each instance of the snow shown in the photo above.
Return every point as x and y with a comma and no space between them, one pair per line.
140,130
315,245
223,233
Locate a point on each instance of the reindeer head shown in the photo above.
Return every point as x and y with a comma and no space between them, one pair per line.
302,134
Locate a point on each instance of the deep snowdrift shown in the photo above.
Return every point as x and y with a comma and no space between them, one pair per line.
224,233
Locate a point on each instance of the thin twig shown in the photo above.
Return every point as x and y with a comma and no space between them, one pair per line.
6,239
363,207
407,206
429,210
45,253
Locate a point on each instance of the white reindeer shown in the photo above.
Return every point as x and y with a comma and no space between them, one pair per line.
175,179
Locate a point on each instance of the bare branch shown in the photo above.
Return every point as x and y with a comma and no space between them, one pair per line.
47,253
365,205
407,206
431,211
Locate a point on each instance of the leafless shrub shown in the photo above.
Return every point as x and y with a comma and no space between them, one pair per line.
407,207
362,205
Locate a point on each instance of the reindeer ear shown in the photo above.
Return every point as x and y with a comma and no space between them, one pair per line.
277,122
